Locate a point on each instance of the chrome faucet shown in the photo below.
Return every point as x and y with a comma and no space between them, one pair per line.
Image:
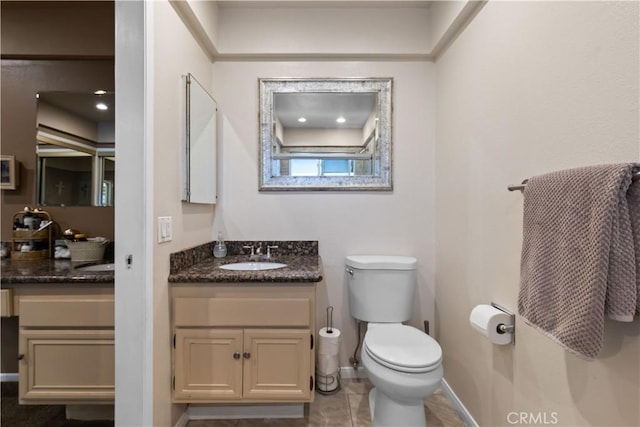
259,255
269,251
256,253
253,255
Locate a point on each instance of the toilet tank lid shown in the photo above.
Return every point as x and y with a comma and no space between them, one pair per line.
382,262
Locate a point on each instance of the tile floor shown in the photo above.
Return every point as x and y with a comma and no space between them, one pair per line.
349,407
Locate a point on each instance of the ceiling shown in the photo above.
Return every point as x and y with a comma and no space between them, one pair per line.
322,109
82,104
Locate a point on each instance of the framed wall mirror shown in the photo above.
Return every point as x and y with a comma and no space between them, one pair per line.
325,134
75,149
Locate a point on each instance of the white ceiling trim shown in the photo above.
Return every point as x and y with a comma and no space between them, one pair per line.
319,57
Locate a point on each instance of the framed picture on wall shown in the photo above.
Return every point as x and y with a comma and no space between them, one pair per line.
8,172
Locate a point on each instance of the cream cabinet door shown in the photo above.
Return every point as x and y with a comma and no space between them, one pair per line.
6,303
66,366
208,364
277,364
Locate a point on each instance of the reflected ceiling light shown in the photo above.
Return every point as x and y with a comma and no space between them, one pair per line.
37,95
100,92
341,119
302,119
102,106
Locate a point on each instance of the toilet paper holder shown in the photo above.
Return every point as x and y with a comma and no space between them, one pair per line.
503,328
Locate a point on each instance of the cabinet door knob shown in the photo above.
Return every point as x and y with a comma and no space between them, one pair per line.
236,355
246,355
20,356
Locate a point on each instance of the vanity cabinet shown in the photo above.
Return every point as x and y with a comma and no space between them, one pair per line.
66,347
243,344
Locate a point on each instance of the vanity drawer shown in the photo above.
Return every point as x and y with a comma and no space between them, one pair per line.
67,311
286,312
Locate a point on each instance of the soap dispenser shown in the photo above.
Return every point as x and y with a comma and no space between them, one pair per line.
220,249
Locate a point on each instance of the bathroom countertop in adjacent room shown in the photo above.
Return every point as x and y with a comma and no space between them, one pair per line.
49,271
299,269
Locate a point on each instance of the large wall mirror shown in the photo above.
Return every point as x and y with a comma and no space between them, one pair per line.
325,134
75,149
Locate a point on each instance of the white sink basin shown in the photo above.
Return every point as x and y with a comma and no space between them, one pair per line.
98,267
252,266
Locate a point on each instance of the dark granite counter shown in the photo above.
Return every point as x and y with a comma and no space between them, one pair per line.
298,269
198,265
188,266
49,271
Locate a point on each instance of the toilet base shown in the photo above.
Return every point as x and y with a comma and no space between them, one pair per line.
386,412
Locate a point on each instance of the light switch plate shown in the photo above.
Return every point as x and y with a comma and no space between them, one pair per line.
165,229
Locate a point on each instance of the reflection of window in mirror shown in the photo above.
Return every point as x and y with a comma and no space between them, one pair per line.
107,191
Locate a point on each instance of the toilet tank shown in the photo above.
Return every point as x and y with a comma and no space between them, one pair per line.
381,288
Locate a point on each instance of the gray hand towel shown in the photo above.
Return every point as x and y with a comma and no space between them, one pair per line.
580,253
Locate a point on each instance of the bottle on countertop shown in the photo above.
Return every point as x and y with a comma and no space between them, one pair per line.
220,249
28,220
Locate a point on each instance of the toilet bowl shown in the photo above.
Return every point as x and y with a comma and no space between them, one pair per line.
403,363
405,366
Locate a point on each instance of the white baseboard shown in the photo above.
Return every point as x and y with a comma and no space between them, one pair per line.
9,378
459,406
226,412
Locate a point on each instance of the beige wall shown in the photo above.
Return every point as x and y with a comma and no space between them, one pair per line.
400,222
323,29
57,28
175,54
527,88
319,136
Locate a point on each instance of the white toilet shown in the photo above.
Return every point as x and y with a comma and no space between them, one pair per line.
403,363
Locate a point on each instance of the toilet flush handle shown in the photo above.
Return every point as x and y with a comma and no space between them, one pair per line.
350,271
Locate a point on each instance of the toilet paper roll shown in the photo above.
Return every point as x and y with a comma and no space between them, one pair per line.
486,318
327,364
329,342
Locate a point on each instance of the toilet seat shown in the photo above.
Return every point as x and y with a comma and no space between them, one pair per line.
402,348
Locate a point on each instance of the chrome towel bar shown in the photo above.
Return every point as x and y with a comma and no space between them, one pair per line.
520,187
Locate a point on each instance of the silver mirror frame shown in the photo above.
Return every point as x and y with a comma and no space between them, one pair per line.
269,86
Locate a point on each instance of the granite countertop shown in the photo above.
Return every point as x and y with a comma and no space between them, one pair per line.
298,269
188,266
50,271
198,265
